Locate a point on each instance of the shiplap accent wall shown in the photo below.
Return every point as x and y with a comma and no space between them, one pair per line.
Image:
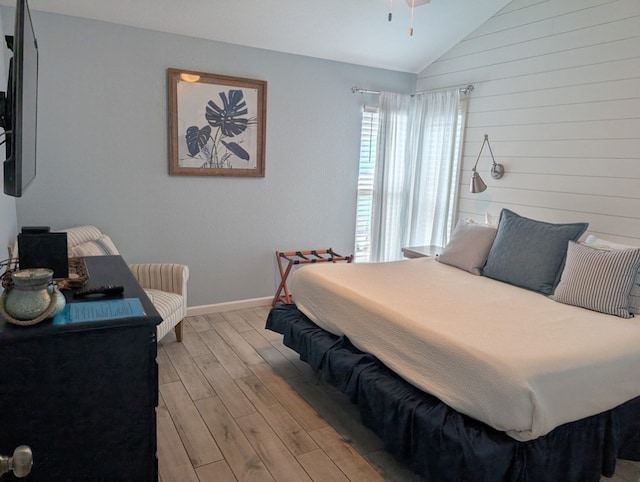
557,89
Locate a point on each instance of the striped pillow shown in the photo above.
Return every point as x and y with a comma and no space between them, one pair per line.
598,279
634,296
97,247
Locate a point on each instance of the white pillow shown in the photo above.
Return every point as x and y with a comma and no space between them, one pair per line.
634,295
491,220
469,246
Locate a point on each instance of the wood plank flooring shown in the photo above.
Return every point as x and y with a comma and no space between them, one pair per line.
237,405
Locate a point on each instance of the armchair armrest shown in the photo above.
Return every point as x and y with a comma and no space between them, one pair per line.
162,276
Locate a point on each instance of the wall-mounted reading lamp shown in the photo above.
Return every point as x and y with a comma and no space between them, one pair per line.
497,170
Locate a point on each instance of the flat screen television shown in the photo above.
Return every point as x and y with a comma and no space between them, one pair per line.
19,105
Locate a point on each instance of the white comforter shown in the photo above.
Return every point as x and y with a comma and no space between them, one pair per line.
512,358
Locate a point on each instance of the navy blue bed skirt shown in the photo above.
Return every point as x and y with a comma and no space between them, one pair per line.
441,444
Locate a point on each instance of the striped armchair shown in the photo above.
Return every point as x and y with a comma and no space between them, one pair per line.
165,284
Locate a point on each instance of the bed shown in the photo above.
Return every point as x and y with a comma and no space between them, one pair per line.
471,377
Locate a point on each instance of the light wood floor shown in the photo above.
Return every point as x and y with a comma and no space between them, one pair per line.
236,404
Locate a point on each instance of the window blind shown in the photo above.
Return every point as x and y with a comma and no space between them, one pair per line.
366,173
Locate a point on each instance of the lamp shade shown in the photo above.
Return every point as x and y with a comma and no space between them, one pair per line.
497,170
477,184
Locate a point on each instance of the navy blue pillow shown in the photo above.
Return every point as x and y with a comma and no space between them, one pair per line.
529,253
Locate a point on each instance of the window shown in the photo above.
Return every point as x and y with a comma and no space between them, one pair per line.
412,200
368,148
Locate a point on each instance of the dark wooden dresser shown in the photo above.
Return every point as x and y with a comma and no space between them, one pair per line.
83,395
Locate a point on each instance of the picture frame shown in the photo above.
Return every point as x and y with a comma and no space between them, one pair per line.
217,124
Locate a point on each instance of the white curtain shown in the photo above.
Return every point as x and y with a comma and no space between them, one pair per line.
417,171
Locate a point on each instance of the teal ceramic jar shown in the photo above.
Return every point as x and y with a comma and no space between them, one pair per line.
30,295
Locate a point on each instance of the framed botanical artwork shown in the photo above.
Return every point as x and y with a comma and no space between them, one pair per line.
217,125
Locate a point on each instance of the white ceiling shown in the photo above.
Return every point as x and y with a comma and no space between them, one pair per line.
353,31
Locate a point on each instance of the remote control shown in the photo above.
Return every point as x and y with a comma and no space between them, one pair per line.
108,290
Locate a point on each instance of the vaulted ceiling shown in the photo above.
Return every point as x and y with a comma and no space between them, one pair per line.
353,31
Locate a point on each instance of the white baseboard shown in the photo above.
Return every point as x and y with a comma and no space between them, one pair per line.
228,306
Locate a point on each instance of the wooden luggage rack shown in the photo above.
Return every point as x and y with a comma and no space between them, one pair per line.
294,258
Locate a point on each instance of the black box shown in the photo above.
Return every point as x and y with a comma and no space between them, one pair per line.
35,229
44,250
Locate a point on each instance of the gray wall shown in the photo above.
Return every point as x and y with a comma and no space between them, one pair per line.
8,227
557,92
103,153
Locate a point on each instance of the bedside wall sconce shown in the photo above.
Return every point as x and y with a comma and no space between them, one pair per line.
497,170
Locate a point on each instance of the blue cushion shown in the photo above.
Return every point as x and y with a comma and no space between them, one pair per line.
529,253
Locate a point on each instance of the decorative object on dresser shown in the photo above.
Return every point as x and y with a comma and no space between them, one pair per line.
30,297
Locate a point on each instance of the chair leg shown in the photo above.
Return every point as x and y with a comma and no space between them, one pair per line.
178,330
